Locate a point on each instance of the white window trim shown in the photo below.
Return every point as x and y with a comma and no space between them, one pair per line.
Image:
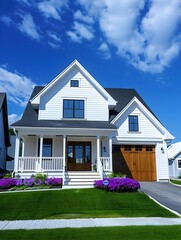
178,159
74,80
75,98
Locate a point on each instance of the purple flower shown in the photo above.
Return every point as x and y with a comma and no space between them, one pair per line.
29,182
53,181
6,183
118,184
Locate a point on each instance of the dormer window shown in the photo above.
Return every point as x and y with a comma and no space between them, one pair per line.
74,83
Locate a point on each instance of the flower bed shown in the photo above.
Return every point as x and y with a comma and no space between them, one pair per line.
27,183
117,184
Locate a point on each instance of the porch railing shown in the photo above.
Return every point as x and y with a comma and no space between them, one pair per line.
52,163
106,164
35,164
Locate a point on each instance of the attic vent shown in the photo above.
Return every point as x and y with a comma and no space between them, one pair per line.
74,83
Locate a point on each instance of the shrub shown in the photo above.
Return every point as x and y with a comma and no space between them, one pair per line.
116,175
40,176
53,181
6,183
7,175
117,184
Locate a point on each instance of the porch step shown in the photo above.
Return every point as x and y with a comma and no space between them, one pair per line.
80,179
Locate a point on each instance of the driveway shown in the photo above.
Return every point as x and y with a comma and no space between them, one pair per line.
165,193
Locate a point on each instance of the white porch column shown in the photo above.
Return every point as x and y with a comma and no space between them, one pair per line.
64,156
16,159
39,167
98,154
110,153
23,147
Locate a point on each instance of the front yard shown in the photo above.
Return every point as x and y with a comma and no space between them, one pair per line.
77,203
106,233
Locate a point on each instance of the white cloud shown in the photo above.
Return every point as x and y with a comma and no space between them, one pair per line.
52,8
7,20
12,118
78,15
29,27
147,36
17,86
105,51
55,40
80,31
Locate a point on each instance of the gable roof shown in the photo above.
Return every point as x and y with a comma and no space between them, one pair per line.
3,107
111,101
174,150
125,98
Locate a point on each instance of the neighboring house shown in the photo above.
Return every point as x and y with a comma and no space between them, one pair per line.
73,125
4,131
11,153
174,160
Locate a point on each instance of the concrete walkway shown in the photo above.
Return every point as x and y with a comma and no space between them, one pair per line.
92,222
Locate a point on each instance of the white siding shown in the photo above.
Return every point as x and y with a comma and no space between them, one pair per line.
30,146
96,106
147,129
162,162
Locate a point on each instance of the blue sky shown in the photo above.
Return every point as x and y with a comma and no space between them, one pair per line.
122,43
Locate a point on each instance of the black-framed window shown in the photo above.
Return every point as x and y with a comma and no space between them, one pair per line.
73,108
179,163
46,148
133,123
74,83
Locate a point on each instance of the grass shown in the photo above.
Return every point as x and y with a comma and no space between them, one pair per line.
77,203
106,233
178,182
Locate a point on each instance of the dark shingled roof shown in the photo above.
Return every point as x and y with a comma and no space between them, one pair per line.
3,107
122,96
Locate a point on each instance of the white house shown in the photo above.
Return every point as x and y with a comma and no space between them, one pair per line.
174,159
4,131
73,126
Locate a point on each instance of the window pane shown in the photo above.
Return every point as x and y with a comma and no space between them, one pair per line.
133,123
179,163
47,148
79,114
74,83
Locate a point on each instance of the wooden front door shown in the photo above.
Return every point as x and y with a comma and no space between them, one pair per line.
137,162
79,156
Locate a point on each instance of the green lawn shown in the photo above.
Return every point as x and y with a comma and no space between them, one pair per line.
178,182
107,233
77,203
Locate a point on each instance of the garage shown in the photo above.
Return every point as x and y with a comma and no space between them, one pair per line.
136,161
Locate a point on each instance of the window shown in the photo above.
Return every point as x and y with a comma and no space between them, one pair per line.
74,83
73,108
138,148
133,123
127,148
179,163
47,147
149,148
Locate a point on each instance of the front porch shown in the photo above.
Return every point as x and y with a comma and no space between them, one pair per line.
58,155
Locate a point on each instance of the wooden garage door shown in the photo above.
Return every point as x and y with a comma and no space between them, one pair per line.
137,162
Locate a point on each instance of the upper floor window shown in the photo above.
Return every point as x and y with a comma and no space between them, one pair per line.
74,83
73,108
133,123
